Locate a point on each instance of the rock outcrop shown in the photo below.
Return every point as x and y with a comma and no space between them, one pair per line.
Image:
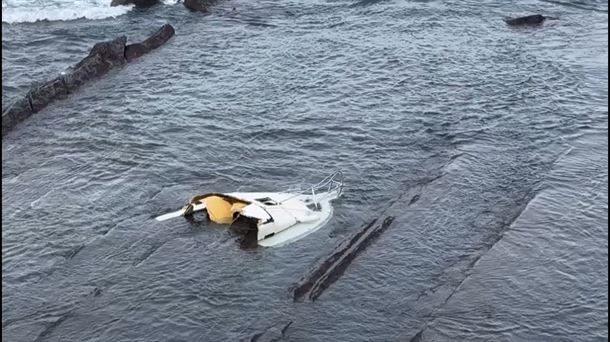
137,3
102,58
198,5
15,113
154,41
535,19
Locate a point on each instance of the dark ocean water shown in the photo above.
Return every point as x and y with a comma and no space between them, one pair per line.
503,131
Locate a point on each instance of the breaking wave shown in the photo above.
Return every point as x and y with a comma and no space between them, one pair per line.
24,11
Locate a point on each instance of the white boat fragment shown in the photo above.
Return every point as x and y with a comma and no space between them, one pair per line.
276,218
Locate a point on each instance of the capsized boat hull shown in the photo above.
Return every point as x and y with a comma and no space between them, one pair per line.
272,218
302,229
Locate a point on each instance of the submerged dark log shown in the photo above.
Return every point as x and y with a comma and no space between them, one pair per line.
137,3
535,19
198,5
102,58
156,40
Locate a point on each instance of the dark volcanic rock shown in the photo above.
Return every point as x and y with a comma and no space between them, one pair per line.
102,58
535,19
39,97
154,41
15,113
198,5
137,3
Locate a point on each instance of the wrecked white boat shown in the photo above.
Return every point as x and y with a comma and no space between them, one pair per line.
272,218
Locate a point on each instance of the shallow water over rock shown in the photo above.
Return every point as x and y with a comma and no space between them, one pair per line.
501,131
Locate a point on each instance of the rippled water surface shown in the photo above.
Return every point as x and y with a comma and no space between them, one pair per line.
503,130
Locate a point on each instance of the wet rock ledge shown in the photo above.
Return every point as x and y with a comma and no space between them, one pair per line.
198,5
530,20
192,5
102,58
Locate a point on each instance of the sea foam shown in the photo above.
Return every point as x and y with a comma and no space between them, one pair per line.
24,11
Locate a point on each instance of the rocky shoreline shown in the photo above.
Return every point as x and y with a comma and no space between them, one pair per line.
193,5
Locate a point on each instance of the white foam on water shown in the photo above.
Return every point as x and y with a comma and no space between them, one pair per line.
24,11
